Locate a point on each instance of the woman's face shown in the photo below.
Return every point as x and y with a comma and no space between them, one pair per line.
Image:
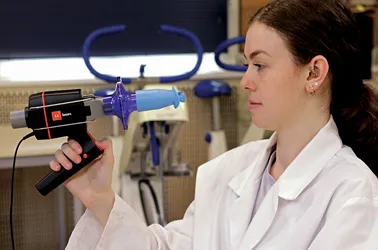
276,85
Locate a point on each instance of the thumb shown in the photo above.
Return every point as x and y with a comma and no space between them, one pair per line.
105,145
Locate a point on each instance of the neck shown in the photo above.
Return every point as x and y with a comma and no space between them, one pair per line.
293,139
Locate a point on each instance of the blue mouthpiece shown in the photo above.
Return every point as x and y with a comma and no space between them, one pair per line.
158,98
121,103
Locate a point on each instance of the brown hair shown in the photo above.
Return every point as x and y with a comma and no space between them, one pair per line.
328,28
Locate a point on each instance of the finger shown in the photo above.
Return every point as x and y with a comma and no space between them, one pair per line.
62,159
70,153
75,146
54,165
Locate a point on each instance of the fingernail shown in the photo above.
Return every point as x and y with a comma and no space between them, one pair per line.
56,167
68,165
78,159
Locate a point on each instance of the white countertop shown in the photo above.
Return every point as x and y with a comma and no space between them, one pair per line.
32,152
29,147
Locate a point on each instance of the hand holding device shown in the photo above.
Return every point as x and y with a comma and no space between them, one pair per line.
54,114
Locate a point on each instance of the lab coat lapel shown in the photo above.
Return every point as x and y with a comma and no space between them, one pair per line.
262,220
240,215
245,186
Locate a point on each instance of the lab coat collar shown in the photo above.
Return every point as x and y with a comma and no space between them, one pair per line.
253,173
310,161
299,174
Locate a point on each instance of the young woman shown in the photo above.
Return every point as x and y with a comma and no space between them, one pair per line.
312,185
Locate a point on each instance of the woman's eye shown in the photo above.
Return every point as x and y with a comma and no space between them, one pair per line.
259,66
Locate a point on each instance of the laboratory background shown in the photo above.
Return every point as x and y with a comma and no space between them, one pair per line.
96,49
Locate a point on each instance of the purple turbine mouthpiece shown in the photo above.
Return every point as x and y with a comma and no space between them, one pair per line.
121,103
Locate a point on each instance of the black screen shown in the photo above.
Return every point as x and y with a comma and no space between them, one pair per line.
45,28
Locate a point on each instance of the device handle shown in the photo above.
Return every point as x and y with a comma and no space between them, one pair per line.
53,179
224,45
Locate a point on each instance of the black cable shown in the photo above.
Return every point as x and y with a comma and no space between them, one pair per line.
13,170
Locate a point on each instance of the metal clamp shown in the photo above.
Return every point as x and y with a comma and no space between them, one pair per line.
164,28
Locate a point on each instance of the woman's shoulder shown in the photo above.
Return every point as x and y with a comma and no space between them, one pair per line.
353,175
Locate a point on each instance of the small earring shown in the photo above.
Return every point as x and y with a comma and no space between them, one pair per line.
311,89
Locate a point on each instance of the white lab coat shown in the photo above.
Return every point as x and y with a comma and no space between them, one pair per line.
327,199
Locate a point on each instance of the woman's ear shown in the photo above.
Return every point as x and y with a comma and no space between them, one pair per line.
317,73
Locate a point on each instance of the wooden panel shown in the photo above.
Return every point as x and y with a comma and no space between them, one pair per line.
247,9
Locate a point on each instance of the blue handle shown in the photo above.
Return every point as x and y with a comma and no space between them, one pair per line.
197,46
224,45
87,44
154,145
164,28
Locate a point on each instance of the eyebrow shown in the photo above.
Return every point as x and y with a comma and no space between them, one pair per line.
257,52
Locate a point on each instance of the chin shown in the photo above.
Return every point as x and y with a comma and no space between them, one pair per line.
262,123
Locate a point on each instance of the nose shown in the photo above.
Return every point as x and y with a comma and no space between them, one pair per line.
247,82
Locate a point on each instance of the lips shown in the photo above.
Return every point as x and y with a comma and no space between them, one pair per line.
253,104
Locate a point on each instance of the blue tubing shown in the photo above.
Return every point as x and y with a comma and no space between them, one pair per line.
87,44
224,45
197,46
164,28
